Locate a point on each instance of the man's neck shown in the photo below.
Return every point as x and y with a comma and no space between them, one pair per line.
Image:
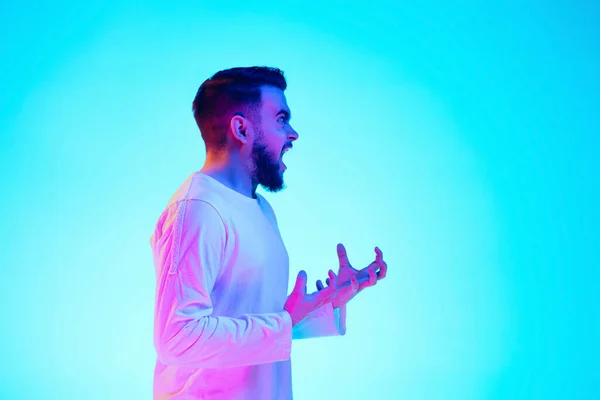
231,173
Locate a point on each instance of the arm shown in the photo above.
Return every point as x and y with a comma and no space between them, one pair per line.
188,253
324,321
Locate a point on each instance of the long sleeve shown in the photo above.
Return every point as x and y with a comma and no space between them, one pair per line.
324,321
188,246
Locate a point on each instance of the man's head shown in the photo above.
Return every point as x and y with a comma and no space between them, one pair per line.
243,112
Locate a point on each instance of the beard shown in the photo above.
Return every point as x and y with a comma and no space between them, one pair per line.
267,169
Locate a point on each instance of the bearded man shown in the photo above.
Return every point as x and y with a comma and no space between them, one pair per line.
224,323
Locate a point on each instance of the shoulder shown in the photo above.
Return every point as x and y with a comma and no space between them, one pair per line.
197,187
200,213
193,207
189,218
195,202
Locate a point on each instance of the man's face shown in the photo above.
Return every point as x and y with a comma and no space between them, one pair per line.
273,137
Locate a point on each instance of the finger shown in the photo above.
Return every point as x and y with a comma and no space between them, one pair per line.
324,295
333,279
382,270
331,287
378,254
300,286
382,264
327,282
320,285
342,256
372,277
354,283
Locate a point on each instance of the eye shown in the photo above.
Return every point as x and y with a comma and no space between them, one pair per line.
282,118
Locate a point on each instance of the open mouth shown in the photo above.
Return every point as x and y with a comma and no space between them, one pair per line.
285,150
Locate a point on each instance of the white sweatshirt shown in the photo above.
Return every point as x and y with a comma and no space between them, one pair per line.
222,270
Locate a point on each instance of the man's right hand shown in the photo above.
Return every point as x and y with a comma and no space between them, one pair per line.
299,304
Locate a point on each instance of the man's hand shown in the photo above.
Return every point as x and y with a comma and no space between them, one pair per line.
352,281
299,304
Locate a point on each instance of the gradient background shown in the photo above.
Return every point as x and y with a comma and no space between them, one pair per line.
462,139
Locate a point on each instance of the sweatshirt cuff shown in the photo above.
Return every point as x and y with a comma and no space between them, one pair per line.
339,316
324,321
286,337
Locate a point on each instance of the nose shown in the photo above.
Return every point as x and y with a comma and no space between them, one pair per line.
292,135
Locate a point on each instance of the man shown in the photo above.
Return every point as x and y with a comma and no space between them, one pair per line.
223,321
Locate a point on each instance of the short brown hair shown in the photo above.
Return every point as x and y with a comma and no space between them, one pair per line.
234,91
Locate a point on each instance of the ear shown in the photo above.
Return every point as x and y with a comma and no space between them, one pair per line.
238,125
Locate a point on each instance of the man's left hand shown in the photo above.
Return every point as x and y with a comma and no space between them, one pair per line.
352,281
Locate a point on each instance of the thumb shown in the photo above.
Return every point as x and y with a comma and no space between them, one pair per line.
300,286
342,256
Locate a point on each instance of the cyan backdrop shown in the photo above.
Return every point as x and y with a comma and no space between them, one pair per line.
460,137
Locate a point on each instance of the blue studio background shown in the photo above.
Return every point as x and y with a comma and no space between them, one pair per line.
462,138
